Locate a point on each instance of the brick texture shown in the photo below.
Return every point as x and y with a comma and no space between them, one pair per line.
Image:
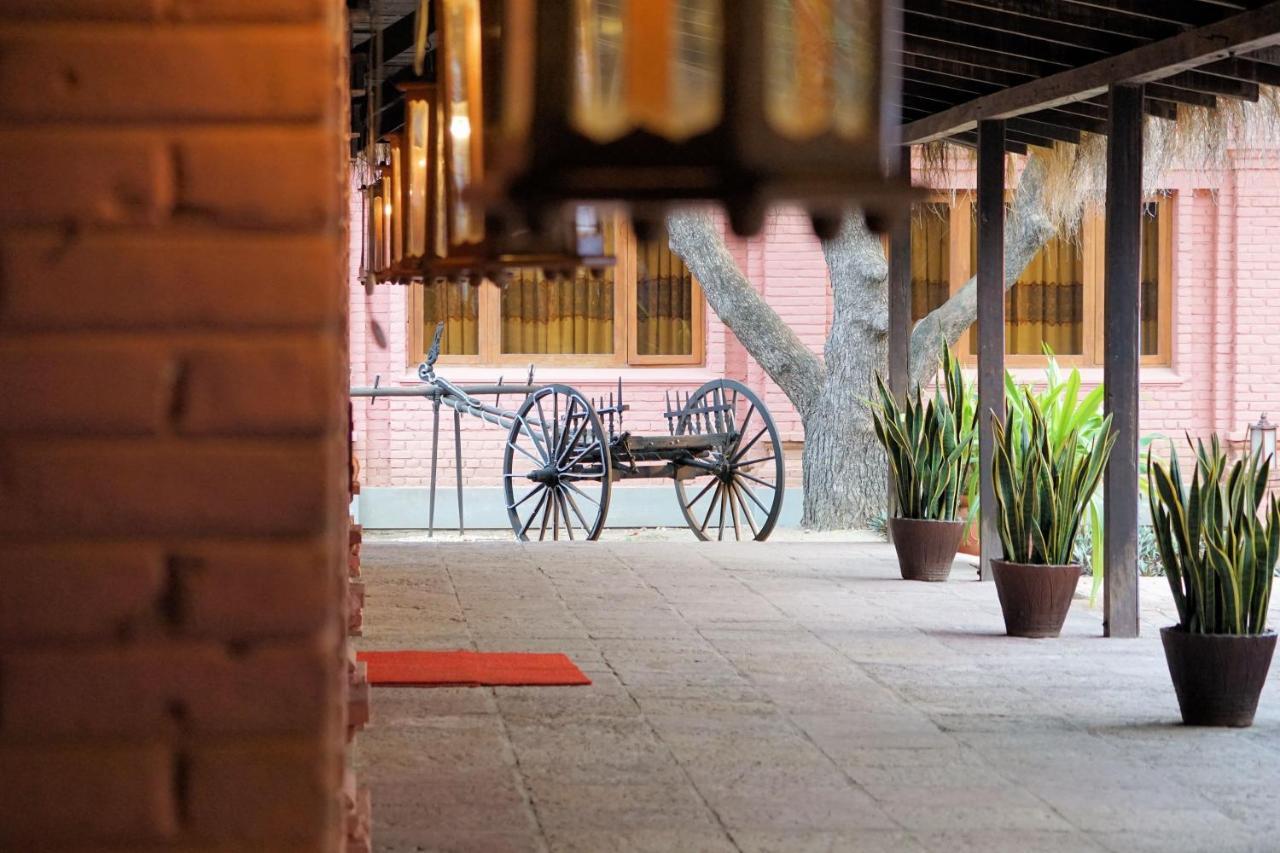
174,452
1225,256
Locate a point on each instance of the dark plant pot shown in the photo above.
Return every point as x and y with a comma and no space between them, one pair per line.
926,548
1218,677
1035,599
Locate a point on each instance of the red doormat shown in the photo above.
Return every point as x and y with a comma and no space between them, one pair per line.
471,669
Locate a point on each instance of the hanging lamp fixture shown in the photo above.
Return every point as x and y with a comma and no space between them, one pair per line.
741,102
425,222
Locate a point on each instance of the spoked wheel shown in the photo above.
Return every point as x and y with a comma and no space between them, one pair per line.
556,468
744,480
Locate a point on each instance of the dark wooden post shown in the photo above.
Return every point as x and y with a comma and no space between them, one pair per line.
900,307
899,317
990,323
1120,367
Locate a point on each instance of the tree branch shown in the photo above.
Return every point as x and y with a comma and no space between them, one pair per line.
1027,228
771,342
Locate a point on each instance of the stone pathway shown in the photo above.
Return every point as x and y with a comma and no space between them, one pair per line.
791,696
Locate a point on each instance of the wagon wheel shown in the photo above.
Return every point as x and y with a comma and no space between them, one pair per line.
743,483
556,467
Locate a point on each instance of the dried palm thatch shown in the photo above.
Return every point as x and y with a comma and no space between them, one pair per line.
1075,175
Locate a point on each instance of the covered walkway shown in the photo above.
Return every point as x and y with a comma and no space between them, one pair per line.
786,696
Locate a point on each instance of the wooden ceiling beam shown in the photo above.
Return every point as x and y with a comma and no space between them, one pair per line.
1026,124
923,61
993,18
1071,120
1209,84
946,81
1160,109
1161,92
1044,53
951,51
1081,16
1027,138
1184,14
970,140
1247,31
396,39
1247,70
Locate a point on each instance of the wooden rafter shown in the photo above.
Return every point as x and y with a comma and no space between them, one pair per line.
1247,31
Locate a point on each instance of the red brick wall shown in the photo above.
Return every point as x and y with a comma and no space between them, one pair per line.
173,468
1225,341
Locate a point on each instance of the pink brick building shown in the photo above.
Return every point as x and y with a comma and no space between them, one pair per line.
1208,362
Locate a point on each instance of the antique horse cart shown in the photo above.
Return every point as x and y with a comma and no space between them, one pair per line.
564,452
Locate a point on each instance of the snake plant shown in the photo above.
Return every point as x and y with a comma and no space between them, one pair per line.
1219,551
929,444
1043,486
1070,414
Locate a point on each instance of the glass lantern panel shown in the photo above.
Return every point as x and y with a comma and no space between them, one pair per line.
388,217
697,69
855,60
651,64
397,203
417,130
377,261
599,107
464,115
820,60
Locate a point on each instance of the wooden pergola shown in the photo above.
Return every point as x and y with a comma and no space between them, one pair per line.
999,75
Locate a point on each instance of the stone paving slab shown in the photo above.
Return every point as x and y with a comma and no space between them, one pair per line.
786,696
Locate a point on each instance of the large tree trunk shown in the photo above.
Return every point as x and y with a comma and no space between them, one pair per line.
844,469
844,466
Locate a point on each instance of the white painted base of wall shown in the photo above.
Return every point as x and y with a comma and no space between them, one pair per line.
407,507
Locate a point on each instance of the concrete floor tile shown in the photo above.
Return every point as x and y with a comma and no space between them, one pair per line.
1008,841
826,841
405,705
641,841
798,695
412,839
566,807
1170,809
814,803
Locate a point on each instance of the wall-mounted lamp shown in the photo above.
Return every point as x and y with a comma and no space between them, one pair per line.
1262,438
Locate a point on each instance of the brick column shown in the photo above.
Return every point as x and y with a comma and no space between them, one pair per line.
173,446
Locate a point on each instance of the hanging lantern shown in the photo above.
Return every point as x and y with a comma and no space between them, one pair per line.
447,231
746,102
422,182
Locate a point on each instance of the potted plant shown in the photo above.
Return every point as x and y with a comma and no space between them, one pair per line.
930,450
1069,413
1042,489
1219,554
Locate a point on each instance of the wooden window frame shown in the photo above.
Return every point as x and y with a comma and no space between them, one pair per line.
1093,241
628,264
625,351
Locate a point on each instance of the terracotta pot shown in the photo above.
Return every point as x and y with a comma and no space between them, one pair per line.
969,544
1035,599
926,548
1217,677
